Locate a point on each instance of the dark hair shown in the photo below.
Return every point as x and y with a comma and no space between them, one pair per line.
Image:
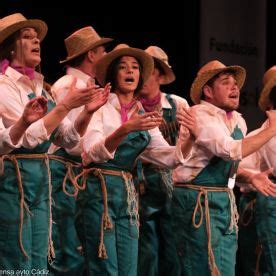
8,45
211,81
111,75
272,97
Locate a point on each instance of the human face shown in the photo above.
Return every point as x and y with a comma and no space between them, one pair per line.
152,85
27,50
225,93
99,52
128,74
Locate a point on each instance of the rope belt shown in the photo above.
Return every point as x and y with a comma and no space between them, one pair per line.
69,164
248,210
203,191
131,200
23,205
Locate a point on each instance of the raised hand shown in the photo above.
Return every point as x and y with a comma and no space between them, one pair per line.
272,119
34,110
263,184
77,97
146,121
98,98
186,118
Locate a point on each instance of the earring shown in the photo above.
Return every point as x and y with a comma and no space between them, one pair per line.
12,53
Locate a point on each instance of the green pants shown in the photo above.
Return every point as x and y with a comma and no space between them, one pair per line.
35,225
192,242
121,241
266,230
157,250
68,259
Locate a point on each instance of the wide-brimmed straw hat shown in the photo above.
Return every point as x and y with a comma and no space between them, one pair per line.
162,59
14,22
82,41
269,81
145,60
208,71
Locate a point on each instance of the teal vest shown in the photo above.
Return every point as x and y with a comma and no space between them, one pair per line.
216,173
127,152
169,114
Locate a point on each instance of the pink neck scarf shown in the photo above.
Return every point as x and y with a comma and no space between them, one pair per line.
124,110
229,114
149,104
27,71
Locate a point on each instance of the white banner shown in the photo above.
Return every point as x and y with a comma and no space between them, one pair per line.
234,32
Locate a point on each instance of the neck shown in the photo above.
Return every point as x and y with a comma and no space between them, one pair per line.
86,68
151,95
125,98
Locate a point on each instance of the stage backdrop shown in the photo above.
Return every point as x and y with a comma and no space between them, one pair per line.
234,32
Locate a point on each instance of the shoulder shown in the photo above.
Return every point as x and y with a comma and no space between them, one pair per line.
62,82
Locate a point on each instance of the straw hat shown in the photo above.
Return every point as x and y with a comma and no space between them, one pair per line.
82,41
14,22
161,57
145,60
269,81
208,71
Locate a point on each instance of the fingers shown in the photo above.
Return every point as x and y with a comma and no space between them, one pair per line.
73,83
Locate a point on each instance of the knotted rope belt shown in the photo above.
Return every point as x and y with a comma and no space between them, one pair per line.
203,191
23,205
132,200
70,175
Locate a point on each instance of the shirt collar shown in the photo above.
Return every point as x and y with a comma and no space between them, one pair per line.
78,74
16,76
164,101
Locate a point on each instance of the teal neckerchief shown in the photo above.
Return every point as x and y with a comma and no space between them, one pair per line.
216,173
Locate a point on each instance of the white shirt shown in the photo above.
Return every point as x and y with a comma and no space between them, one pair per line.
14,90
106,120
214,139
264,158
60,89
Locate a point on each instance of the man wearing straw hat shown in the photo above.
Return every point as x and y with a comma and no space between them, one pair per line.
84,48
263,223
204,210
157,251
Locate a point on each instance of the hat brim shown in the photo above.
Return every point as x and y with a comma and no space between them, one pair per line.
39,25
264,100
202,79
169,76
145,60
100,42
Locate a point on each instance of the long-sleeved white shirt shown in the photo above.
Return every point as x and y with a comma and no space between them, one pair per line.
214,139
14,91
106,120
264,158
60,89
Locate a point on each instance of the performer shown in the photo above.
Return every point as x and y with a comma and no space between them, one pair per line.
258,211
107,207
157,250
84,48
25,189
204,210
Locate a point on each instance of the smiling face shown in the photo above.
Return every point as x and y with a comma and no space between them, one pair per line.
224,92
128,74
27,49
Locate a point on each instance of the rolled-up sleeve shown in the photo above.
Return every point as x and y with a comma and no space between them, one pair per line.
212,136
93,142
160,153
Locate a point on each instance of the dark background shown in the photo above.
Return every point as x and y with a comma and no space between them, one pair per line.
172,26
